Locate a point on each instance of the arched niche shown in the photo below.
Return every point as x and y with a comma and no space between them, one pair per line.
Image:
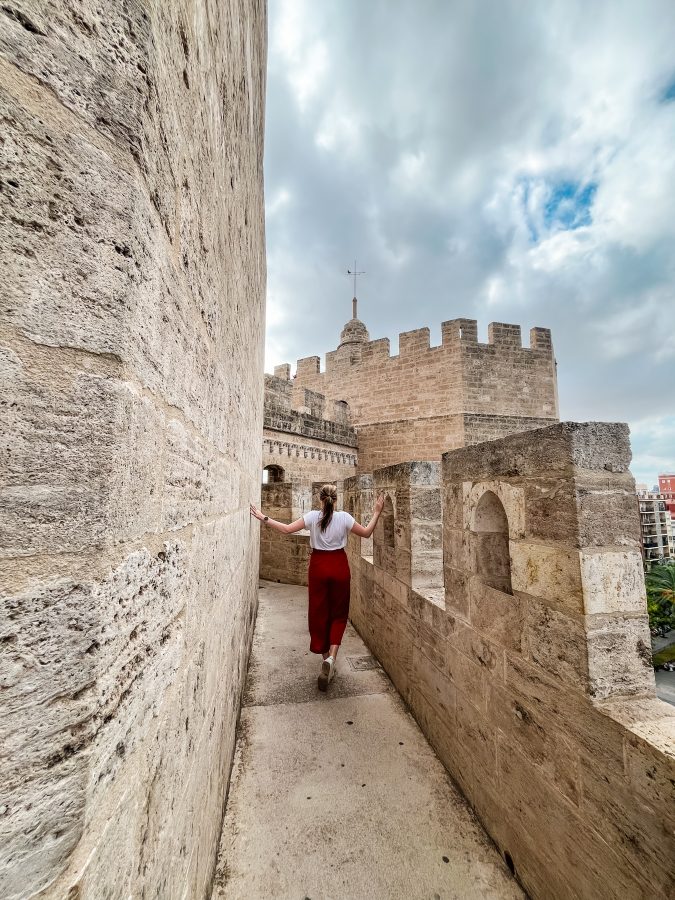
490,530
272,474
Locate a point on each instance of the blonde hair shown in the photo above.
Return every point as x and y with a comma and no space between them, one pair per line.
328,497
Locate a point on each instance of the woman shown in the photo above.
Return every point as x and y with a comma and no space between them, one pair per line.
329,574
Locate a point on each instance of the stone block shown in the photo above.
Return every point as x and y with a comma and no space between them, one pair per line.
570,712
457,549
613,582
452,495
426,537
607,509
478,736
561,832
619,656
468,677
650,760
487,654
498,616
550,573
554,451
551,512
443,735
456,591
645,843
425,504
434,685
556,642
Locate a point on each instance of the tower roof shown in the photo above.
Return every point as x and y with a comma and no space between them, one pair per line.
354,332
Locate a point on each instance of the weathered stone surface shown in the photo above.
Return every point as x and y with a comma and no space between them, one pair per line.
553,450
613,582
556,642
131,318
550,573
619,656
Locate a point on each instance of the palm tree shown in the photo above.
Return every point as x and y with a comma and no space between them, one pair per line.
660,583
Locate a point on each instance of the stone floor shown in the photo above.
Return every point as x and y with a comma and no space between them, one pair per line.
338,795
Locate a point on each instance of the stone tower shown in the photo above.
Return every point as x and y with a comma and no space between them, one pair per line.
426,400
133,277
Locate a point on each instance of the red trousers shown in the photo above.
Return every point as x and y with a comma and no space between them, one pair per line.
329,578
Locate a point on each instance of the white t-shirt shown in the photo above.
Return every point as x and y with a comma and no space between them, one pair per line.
335,535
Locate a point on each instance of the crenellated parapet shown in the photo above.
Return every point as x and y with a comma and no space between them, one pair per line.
456,334
427,399
530,672
297,410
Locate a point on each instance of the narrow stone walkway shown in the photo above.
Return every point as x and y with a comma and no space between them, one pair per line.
339,795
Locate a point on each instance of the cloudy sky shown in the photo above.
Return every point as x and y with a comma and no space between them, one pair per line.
501,160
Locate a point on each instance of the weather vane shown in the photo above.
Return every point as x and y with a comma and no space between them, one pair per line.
354,272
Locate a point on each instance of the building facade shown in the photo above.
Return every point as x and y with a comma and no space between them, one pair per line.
667,489
658,534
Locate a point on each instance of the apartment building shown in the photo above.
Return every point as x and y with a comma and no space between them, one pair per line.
658,534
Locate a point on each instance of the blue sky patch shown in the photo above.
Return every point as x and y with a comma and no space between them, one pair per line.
569,205
561,206
668,95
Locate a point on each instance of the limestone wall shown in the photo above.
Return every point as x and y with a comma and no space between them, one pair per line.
531,672
304,459
428,399
307,436
285,557
132,278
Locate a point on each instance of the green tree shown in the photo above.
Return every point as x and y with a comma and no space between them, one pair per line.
660,583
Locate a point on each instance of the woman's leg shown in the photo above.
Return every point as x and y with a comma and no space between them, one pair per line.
318,611
339,591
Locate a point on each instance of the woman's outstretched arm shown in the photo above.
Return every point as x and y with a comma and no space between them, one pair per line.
284,528
366,532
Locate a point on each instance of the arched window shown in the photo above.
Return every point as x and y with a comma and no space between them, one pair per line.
272,474
491,531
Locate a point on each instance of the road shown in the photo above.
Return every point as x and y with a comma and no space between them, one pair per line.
658,643
665,686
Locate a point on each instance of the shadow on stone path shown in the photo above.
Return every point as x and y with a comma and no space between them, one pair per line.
339,795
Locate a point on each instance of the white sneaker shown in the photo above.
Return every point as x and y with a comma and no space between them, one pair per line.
327,673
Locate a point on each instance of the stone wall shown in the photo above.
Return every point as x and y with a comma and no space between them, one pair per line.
304,459
284,557
305,435
428,399
133,275
531,672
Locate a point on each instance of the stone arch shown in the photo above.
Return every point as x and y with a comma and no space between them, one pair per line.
273,474
490,532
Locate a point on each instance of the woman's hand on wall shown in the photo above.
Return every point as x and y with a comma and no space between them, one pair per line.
255,512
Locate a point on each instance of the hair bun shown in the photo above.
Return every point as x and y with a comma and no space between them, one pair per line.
329,492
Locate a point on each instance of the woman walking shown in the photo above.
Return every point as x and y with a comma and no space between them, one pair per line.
329,576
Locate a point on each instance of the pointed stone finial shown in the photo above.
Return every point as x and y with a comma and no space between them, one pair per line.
354,302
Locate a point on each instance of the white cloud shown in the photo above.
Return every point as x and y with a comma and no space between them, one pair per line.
437,145
653,443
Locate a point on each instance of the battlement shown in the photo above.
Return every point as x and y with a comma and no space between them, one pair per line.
428,399
291,407
456,335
